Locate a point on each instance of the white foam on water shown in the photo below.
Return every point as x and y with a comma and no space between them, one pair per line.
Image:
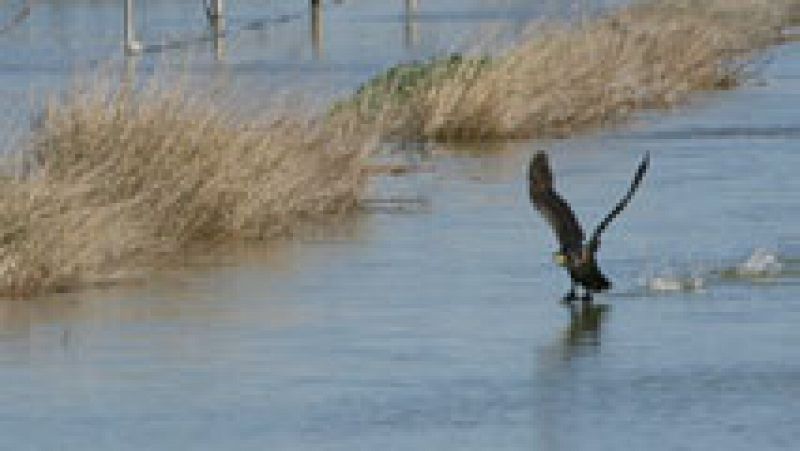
761,263
672,282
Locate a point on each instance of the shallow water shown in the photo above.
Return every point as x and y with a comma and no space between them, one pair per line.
264,46
438,326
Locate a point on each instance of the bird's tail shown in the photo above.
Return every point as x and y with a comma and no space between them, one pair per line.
597,281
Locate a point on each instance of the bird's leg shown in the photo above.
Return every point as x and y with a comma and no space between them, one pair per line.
574,313
570,296
587,297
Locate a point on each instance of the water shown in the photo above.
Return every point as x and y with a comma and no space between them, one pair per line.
267,46
439,327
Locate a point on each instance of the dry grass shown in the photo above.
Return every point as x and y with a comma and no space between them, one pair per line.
569,78
121,181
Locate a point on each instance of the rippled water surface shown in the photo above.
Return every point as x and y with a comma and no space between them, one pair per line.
438,326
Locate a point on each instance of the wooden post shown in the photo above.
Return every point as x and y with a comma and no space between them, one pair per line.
411,28
316,28
132,46
218,27
216,18
216,9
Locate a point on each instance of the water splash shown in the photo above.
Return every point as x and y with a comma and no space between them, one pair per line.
761,263
675,282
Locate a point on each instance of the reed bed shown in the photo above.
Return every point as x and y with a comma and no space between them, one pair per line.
567,78
116,181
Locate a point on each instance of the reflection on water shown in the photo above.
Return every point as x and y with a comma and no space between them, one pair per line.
217,24
586,321
192,287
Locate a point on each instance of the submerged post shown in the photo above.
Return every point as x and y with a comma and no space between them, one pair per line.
316,28
216,9
216,19
411,29
132,46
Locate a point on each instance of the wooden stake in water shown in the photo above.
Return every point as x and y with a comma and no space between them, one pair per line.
411,29
216,9
316,28
132,46
218,27
216,18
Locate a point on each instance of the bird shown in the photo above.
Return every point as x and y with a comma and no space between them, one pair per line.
575,254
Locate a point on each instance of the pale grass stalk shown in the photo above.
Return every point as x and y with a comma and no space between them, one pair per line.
567,78
120,181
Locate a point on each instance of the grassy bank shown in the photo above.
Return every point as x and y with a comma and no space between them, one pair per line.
571,77
115,181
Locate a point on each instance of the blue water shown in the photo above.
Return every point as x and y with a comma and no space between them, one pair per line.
438,326
265,45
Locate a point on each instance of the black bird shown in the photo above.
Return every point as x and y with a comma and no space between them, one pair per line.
575,255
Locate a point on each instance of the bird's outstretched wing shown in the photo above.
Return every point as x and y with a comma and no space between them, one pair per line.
594,241
555,209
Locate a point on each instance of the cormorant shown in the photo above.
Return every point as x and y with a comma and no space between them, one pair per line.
574,255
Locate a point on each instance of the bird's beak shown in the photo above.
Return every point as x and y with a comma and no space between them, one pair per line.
560,259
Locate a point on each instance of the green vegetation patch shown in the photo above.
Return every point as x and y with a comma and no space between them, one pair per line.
400,83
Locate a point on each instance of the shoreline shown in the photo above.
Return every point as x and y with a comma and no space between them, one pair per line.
124,181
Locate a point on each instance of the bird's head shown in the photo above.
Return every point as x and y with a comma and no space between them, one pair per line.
560,259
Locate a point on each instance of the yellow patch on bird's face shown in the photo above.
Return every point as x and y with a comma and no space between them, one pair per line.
560,259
